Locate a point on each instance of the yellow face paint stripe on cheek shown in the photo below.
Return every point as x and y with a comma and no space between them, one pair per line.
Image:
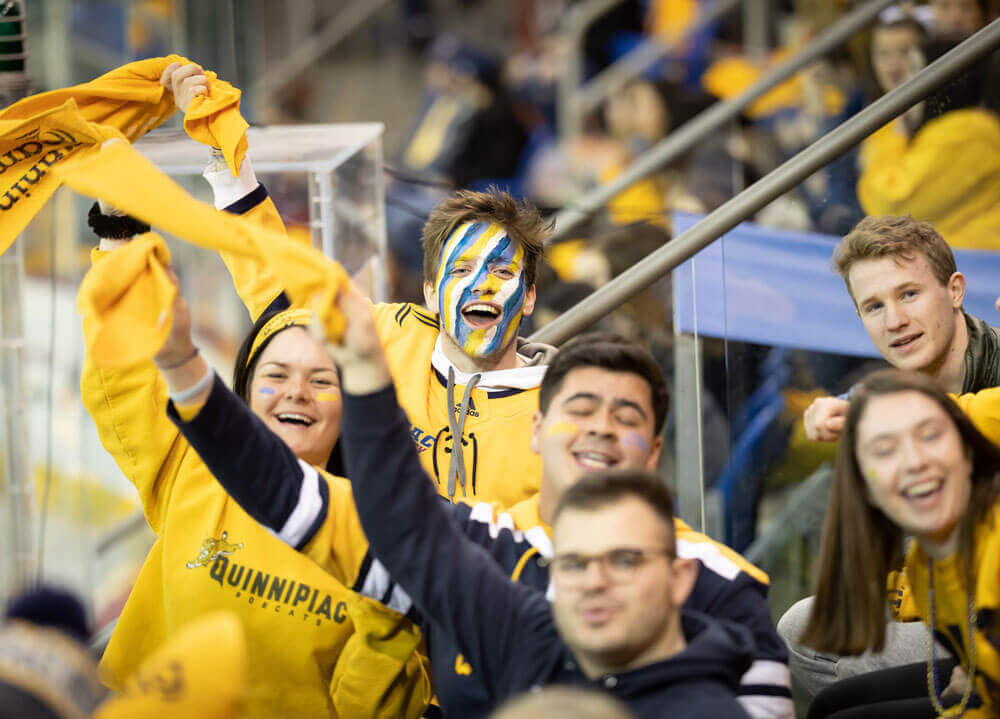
327,396
562,427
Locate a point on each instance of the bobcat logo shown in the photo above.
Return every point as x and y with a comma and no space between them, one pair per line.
212,549
462,667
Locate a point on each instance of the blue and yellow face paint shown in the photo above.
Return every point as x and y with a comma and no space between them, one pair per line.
480,263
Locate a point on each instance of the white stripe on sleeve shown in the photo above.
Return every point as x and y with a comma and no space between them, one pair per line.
399,600
376,582
309,506
709,555
766,671
760,706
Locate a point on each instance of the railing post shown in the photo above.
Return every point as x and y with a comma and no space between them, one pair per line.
578,19
15,483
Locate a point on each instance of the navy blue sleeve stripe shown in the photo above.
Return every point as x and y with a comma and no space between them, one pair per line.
324,493
256,468
278,304
428,316
422,321
366,566
387,594
247,202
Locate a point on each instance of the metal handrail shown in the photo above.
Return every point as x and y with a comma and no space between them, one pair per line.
575,24
640,276
636,61
120,532
716,117
342,25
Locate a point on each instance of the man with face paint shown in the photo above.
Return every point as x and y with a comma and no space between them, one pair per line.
602,405
480,292
467,391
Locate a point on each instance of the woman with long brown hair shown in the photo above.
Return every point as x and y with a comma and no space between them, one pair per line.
912,464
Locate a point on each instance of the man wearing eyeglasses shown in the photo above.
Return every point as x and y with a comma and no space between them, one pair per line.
619,628
603,403
615,621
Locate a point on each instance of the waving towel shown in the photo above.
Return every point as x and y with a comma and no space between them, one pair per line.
121,176
43,130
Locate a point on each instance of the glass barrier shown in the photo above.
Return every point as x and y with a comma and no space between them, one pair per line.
87,526
763,325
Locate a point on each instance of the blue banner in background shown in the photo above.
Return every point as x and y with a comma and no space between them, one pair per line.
779,288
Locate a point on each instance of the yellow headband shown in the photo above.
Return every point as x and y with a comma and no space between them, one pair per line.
282,320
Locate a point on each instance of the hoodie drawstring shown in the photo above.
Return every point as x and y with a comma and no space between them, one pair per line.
456,466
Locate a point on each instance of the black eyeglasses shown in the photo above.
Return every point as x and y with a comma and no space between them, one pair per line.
619,565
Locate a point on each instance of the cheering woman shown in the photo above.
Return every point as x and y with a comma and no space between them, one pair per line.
911,463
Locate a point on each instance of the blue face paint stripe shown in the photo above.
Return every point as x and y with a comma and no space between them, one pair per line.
266,390
467,239
501,252
484,247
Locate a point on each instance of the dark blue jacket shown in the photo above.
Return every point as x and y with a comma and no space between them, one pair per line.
397,503
506,630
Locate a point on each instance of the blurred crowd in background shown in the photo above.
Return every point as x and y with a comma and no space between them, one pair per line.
469,93
490,117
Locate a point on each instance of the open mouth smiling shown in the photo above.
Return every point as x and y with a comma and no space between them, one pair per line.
594,460
295,418
480,315
923,492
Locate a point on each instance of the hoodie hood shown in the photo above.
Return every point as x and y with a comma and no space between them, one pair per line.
536,353
718,653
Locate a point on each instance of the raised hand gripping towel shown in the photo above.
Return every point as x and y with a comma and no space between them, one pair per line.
128,297
42,130
130,182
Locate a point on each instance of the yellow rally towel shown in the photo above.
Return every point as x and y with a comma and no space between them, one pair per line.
130,182
29,150
42,130
671,19
128,297
380,665
199,674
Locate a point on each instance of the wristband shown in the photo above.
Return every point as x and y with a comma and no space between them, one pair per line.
181,363
186,395
113,227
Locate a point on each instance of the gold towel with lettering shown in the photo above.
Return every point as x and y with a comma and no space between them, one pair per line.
43,130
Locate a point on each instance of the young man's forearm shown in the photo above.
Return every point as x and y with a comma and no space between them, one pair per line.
453,581
256,468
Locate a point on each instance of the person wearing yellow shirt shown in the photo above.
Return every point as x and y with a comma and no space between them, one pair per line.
467,388
944,166
602,405
911,463
317,647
